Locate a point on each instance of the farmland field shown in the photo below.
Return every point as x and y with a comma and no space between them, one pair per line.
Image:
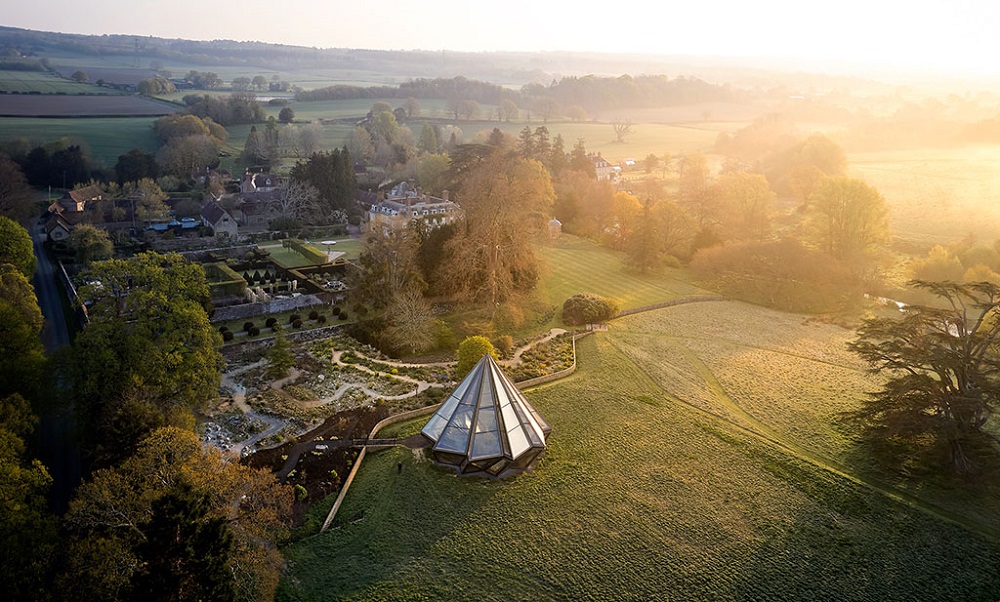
936,195
23,82
22,105
643,494
106,137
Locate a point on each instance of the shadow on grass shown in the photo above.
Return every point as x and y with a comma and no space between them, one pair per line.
849,543
390,519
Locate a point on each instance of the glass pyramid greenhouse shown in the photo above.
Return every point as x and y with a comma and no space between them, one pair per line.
486,425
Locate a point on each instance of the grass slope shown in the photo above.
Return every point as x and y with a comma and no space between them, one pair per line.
575,265
638,497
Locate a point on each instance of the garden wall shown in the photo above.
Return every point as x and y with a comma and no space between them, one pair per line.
245,311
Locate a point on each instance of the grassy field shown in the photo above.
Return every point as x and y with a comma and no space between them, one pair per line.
22,105
106,137
937,195
648,492
22,82
576,265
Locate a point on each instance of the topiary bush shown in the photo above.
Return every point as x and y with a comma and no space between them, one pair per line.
343,315
254,331
293,317
227,336
588,308
297,324
470,351
321,319
223,329
247,326
271,322
313,315
336,310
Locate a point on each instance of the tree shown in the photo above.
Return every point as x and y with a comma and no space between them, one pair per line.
470,351
651,162
286,115
507,110
280,358
428,139
182,156
332,174
299,201
16,247
90,243
150,200
576,113
136,165
27,530
588,308
432,172
622,127
241,84
849,218
178,519
80,77
16,196
412,107
747,202
411,321
259,83
942,368
21,354
505,200
156,86
149,355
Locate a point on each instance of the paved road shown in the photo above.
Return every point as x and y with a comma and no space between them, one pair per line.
60,452
55,333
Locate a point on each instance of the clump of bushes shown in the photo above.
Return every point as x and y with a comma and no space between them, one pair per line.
470,351
293,317
504,344
588,308
247,326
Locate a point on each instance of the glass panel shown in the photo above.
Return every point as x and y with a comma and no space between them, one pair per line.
486,398
485,445
455,439
434,427
518,443
509,417
462,417
486,420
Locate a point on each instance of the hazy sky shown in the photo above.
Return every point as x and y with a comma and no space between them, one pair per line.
957,36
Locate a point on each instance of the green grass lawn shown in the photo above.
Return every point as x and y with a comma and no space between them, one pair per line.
641,495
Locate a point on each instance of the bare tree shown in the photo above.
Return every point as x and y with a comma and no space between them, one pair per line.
623,127
299,200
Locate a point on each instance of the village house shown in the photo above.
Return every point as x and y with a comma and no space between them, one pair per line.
604,170
68,211
219,220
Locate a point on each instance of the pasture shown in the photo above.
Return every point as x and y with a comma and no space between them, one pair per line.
43,82
653,488
22,105
936,196
105,137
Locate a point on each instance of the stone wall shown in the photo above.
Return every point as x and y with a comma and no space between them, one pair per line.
246,311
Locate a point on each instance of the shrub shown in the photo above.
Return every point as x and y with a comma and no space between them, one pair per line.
223,329
254,331
470,351
294,317
321,319
783,274
301,493
297,324
227,336
271,322
343,315
313,315
247,326
588,308
336,310
504,344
